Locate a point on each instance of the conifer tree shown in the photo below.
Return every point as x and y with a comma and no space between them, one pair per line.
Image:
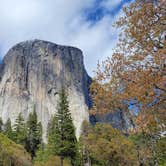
8,129
62,139
34,134
20,130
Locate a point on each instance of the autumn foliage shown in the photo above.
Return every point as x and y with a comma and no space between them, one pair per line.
137,69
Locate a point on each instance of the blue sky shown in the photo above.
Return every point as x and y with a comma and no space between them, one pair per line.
86,24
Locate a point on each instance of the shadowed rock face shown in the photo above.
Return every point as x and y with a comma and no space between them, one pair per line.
31,75
119,119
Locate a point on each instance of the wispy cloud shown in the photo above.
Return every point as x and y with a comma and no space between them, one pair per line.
64,22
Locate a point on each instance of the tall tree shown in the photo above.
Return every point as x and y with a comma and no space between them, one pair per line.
144,68
62,139
19,129
34,134
137,69
8,129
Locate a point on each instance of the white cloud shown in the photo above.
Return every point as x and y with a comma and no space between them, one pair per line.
59,21
110,4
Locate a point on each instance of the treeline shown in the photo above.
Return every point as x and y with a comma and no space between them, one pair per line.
28,134
62,141
99,145
103,145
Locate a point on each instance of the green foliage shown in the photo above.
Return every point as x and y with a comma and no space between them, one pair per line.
20,130
53,135
45,157
150,150
161,151
12,154
8,130
42,154
52,161
34,134
62,140
104,146
143,148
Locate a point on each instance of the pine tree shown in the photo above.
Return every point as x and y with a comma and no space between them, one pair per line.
52,135
20,130
34,134
62,139
8,129
39,132
1,124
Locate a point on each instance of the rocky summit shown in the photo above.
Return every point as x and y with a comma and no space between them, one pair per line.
31,75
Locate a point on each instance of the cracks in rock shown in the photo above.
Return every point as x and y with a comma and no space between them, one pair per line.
26,76
52,90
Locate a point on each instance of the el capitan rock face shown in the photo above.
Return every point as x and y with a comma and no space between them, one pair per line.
31,75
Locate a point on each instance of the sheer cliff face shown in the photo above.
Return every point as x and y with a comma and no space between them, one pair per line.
31,75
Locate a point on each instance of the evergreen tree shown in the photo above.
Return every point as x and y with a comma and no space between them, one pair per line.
20,130
52,135
62,139
39,132
34,134
8,129
1,124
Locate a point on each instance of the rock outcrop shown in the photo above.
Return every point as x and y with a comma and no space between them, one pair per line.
31,75
120,120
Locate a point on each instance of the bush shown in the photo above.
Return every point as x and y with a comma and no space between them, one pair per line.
104,145
49,160
12,153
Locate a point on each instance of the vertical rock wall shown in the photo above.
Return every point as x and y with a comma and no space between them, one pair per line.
31,75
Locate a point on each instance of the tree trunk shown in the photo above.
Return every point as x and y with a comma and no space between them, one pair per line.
61,161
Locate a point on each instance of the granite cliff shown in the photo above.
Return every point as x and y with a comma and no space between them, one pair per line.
32,73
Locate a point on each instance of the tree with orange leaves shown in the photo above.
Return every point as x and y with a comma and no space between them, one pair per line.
137,69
